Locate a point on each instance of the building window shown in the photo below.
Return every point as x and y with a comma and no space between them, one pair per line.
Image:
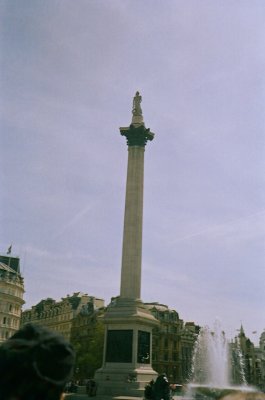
4,320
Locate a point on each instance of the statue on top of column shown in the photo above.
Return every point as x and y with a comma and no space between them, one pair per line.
137,111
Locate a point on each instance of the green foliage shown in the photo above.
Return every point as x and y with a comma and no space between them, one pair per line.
89,352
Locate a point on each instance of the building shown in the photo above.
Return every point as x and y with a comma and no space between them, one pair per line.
173,343
260,362
166,341
59,315
188,337
245,364
11,296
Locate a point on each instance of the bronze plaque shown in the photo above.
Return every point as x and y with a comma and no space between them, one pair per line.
119,346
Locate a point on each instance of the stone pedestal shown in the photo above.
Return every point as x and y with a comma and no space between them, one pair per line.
127,351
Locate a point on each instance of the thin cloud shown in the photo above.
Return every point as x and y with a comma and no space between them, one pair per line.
220,229
73,221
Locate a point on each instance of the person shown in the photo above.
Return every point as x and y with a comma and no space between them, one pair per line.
93,388
161,388
88,386
149,390
35,364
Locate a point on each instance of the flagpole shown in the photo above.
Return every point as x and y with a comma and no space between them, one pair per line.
8,253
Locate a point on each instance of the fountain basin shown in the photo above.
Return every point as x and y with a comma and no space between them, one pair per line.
207,392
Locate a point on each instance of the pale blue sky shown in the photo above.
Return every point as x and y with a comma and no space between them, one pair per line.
69,71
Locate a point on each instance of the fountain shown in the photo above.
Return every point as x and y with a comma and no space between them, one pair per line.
210,359
213,364
238,364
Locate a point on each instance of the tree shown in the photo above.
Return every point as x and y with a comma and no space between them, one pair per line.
89,350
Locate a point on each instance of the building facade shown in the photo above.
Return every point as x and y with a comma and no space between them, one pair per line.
59,315
11,296
260,362
173,343
246,367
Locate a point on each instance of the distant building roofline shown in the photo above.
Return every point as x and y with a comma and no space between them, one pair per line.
12,262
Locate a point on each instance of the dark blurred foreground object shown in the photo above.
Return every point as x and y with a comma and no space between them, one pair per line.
158,390
161,388
91,387
35,364
149,393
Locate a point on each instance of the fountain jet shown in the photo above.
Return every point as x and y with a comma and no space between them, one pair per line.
211,358
214,365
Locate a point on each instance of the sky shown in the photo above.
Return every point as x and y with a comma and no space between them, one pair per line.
69,71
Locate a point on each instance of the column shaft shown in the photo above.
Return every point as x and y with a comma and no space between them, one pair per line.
133,220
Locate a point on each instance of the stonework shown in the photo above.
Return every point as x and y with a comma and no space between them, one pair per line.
11,296
137,137
128,323
136,134
59,315
132,231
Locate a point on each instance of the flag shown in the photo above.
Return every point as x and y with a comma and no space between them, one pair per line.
9,249
254,332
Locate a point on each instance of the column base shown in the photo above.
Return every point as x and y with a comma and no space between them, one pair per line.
125,310
123,381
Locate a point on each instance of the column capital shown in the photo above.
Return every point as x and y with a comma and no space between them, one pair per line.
137,135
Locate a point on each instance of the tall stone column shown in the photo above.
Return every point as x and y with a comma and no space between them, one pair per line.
133,219
132,232
137,136
128,323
